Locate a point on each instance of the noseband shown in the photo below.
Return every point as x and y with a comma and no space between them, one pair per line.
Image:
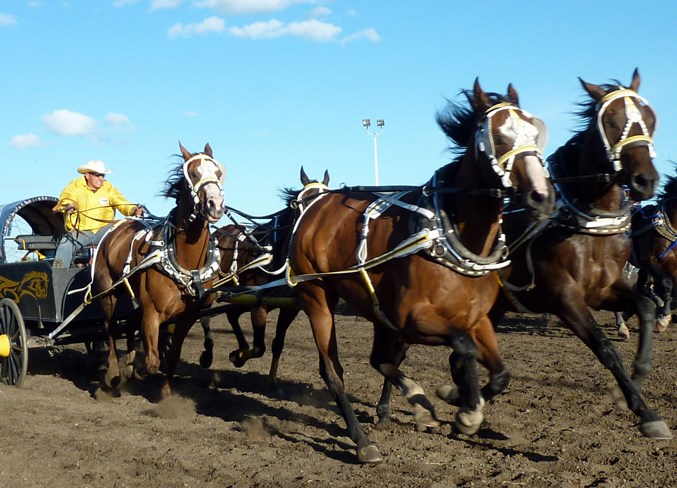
634,116
502,165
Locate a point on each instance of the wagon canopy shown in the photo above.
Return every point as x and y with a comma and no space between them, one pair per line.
37,212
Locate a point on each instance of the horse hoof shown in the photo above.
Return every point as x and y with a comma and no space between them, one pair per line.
656,429
369,455
624,332
206,359
468,422
449,393
384,423
112,380
238,358
662,323
425,419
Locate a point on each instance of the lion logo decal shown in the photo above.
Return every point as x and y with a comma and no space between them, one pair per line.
34,284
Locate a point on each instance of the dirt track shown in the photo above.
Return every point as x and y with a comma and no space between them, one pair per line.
556,425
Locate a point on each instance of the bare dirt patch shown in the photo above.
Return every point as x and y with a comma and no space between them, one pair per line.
555,426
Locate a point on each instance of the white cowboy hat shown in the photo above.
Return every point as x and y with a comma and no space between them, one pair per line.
93,166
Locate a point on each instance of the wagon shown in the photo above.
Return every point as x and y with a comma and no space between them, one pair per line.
42,306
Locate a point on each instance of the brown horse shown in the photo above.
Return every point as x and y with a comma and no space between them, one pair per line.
654,243
577,262
163,267
419,261
257,258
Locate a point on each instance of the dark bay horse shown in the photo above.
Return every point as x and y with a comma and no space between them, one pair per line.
255,258
577,262
164,267
419,262
654,250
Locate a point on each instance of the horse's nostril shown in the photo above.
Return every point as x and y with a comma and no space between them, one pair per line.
537,197
641,181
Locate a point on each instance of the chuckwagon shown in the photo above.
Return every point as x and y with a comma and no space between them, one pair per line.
40,305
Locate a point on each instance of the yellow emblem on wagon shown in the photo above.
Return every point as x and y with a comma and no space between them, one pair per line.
33,283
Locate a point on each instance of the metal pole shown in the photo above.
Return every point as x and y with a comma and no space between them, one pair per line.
376,158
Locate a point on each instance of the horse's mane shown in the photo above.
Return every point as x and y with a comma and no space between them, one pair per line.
459,121
288,195
175,181
587,112
669,190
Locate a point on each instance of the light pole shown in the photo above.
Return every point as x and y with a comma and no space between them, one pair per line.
379,123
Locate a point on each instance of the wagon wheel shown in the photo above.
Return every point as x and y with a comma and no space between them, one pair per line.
13,344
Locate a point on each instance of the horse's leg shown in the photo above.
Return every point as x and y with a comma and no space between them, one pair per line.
576,315
242,344
183,325
463,365
664,289
259,316
151,341
133,324
207,356
319,306
490,357
284,320
383,410
110,368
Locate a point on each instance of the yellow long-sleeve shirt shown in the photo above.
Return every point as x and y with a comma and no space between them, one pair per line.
95,208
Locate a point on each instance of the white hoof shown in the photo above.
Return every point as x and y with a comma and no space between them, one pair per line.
623,331
662,323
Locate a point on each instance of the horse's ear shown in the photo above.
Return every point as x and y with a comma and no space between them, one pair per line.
513,95
325,180
634,86
304,177
184,152
595,91
480,100
208,150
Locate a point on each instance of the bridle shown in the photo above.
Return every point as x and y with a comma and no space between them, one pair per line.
208,176
525,144
634,116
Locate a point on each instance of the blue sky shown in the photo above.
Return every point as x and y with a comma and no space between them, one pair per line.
276,84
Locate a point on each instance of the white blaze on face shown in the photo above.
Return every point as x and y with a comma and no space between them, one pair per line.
525,134
536,174
520,131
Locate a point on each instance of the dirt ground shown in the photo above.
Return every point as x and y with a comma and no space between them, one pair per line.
555,426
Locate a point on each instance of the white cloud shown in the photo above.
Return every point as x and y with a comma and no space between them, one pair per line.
117,119
163,4
309,29
249,6
23,141
320,12
191,113
6,19
369,33
124,3
68,123
207,26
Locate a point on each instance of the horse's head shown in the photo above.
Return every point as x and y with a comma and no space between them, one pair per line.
204,176
625,124
311,189
511,140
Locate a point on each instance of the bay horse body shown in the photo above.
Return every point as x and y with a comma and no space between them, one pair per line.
577,262
164,267
654,251
254,258
376,250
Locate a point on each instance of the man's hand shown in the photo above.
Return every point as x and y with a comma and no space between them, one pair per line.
138,211
69,208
